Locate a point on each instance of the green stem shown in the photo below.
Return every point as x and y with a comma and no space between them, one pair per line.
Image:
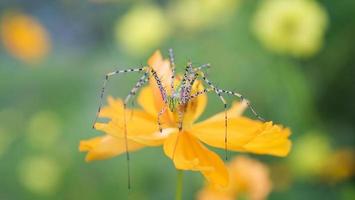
179,185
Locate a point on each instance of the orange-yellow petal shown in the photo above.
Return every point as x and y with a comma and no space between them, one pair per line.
152,103
141,132
115,111
141,126
235,111
162,67
188,153
210,194
244,134
146,101
271,139
248,178
105,147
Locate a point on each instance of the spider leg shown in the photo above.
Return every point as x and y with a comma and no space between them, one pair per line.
207,65
159,115
163,94
181,119
218,92
160,86
187,72
186,85
198,93
138,85
132,93
126,146
247,102
196,73
106,79
140,82
172,65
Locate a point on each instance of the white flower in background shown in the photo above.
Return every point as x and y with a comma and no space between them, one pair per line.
142,29
40,174
294,27
196,14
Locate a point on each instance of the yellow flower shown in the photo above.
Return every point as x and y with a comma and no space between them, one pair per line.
293,27
248,177
40,174
142,29
310,153
185,148
196,14
43,122
339,166
24,37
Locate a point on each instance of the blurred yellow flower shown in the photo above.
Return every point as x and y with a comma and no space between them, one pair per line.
294,27
248,178
43,130
310,152
196,14
339,166
142,29
24,37
40,174
313,156
185,147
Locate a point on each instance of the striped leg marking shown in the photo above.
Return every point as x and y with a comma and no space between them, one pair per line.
172,65
160,86
159,116
218,92
133,91
106,79
246,100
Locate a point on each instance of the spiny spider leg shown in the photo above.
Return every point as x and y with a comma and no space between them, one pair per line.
126,145
186,84
181,119
243,99
172,65
107,76
188,69
198,93
161,112
138,85
219,91
163,94
202,66
195,76
131,94
160,86
225,112
140,82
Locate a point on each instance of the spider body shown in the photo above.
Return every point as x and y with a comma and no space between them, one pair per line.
173,102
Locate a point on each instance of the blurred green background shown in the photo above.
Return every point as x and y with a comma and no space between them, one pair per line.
294,62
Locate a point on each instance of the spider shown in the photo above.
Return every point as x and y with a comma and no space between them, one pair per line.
179,97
